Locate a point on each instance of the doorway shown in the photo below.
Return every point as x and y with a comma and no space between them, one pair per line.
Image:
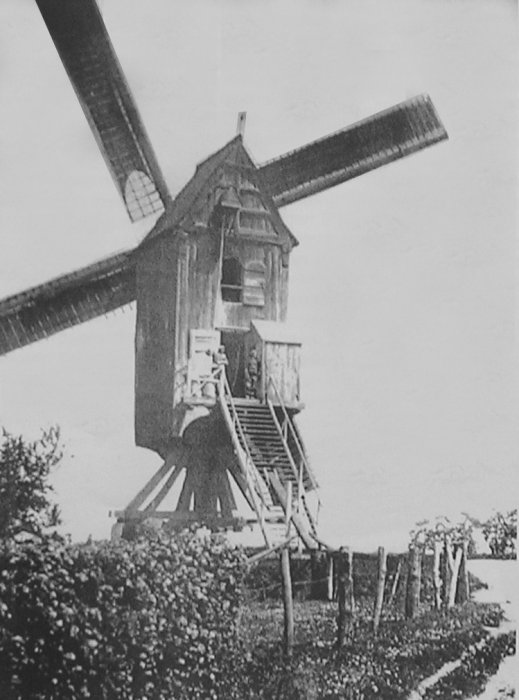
234,342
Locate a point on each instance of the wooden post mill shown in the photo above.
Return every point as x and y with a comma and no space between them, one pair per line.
217,383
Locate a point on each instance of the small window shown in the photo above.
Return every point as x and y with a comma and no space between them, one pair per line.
254,284
232,287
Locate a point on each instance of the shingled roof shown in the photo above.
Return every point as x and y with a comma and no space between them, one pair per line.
234,153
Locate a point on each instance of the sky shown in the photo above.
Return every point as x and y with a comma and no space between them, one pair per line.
403,289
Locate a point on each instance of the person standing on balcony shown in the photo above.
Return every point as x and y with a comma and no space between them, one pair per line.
252,375
220,359
218,363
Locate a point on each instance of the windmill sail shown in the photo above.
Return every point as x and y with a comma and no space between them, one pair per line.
66,301
369,144
81,39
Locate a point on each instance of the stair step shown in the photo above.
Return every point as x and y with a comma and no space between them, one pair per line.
252,407
256,420
260,429
269,465
278,456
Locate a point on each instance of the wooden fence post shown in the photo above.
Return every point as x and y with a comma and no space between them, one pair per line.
413,582
445,573
404,581
330,581
437,580
350,591
396,580
288,603
381,580
455,566
463,587
345,599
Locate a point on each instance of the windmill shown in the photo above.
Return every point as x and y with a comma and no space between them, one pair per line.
213,271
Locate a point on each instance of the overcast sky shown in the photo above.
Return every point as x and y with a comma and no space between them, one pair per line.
403,290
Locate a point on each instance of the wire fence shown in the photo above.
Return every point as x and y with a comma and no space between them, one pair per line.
359,587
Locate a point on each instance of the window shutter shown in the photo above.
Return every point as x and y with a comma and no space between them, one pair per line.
254,285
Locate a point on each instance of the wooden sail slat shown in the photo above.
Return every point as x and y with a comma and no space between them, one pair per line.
369,144
66,301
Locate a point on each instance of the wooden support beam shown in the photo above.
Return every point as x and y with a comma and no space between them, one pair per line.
241,482
188,487
147,489
169,483
298,521
181,517
271,550
205,490
224,490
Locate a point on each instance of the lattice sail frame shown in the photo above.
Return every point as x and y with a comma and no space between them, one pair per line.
81,39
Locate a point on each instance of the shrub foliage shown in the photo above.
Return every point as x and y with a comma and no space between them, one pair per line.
151,619
25,505
500,532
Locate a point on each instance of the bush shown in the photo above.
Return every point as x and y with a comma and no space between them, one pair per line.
147,619
500,532
25,506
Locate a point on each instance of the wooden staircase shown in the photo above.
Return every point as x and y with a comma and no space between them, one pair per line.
264,442
271,457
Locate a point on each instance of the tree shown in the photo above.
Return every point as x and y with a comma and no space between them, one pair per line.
25,505
500,532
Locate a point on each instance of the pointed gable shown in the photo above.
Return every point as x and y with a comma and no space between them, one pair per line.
228,174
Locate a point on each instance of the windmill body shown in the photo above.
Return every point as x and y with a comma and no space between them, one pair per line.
206,271
214,273
210,281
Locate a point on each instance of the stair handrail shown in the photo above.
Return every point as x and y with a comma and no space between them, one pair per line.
293,432
226,394
303,460
223,392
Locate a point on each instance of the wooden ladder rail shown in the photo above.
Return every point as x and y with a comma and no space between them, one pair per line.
262,488
294,434
302,456
254,482
282,496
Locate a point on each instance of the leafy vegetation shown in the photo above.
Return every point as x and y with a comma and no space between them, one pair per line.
25,504
154,618
479,662
163,617
388,666
500,532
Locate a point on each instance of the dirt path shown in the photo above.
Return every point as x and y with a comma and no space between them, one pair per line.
503,588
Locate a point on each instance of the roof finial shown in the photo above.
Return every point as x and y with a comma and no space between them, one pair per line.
240,126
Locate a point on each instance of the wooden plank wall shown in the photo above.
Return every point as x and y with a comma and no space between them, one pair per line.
155,341
235,315
282,362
